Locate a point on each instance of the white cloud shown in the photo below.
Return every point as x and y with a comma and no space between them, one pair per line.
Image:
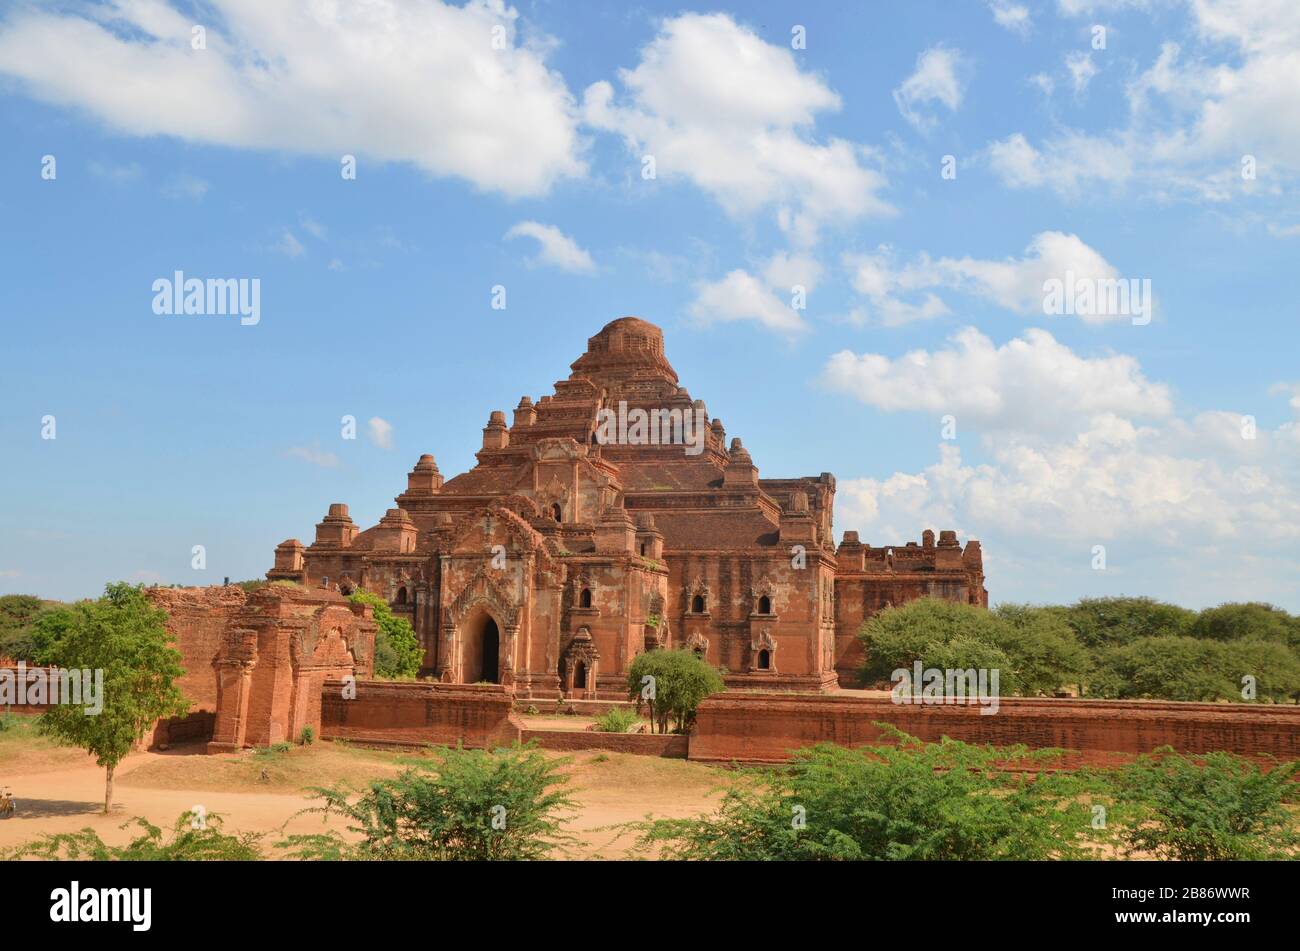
936,79
1032,383
1191,118
1011,16
315,455
742,296
555,247
784,271
716,105
1057,451
1066,164
1081,69
380,432
289,246
902,293
117,174
398,82
312,227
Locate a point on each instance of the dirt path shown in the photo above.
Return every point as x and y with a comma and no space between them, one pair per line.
610,789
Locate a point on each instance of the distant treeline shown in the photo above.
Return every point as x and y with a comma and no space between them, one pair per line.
1098,647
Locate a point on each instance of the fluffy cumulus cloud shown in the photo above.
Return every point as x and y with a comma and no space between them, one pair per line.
380,432
714,104
1194,111
897,293
1031,383
936,79
454,90
1057,452
554,247
1011,16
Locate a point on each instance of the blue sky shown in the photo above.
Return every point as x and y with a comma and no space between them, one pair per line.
1173,444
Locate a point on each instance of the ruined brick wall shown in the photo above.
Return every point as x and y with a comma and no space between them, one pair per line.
412,714
753,727
197,618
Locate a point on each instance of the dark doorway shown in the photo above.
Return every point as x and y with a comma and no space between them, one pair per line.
580,676
491,648
764,660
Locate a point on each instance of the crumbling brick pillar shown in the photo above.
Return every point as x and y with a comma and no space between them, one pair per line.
234,691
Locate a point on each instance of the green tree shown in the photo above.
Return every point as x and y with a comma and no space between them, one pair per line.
1216,807
126,637
18,616
1274,667
1044,649
939,634
397,649
680,680
1252,620
469,805
1103,622
1166,668
923,801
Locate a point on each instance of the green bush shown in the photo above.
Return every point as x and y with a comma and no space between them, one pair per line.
616,720
930,801
1214,807
190,840
397,649
307,736
678,681
508,804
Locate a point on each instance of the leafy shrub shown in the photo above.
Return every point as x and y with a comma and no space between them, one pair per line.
616,720
397,650
189,841
924,801
308,735
506,804
1223,807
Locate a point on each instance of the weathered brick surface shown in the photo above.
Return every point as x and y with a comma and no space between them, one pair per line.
606,549
755,727
668,745
479,716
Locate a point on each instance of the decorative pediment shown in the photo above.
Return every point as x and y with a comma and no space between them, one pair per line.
764,641
698,643
581,647
493,525
487,591
558,449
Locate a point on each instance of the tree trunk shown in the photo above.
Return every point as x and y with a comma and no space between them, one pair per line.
108,790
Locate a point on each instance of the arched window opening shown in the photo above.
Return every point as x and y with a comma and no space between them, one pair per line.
764,605
697,604
401,595
557,513
584,599
764,660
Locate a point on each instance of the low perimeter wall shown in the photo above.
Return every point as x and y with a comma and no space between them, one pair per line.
763,728
671,745
479,716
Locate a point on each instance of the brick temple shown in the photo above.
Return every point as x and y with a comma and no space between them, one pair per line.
612,517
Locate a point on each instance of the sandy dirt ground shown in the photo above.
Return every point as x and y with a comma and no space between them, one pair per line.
62,790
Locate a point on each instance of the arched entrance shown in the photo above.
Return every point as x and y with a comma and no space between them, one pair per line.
481,649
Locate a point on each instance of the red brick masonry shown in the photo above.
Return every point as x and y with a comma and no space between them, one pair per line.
764,727
412,714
